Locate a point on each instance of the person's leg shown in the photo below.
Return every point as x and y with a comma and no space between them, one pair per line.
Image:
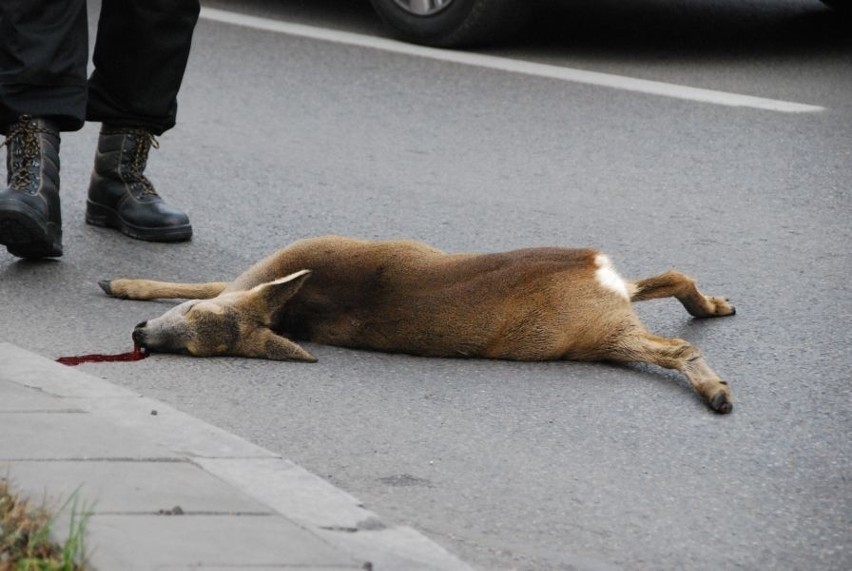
140,57
43,55
141,52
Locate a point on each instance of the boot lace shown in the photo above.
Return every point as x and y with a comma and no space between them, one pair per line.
143,141
26,153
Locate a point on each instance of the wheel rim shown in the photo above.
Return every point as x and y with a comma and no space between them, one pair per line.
423,7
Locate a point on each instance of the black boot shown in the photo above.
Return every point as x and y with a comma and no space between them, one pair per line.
122,197
30,217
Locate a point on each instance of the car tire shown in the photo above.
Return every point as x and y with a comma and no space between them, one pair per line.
453,23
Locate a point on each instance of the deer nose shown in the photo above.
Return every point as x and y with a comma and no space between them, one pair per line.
138,334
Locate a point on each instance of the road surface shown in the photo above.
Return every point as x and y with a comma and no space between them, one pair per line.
518,465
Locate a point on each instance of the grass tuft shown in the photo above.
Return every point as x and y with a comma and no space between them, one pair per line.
25,542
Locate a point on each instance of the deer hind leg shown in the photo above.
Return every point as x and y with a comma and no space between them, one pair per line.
641,346
125,288
676,284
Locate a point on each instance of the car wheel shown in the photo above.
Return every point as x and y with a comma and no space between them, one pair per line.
452,23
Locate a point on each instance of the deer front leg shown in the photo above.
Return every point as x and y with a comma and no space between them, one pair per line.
125,288
676,284
679,355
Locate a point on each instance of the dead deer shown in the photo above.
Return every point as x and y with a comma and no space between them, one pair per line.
403,296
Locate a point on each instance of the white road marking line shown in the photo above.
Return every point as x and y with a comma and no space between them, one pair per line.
511,65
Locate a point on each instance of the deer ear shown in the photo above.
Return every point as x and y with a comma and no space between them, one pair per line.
266,300
265,344
274,294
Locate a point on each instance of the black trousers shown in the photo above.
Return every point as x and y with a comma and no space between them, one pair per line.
140,56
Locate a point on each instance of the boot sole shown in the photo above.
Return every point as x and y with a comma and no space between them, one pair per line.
106,217
26,234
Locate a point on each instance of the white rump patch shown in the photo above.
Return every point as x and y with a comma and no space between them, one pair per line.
609,278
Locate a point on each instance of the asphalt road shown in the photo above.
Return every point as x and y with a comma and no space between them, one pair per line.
513,465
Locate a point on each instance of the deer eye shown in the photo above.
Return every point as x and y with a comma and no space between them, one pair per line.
214,329
207,308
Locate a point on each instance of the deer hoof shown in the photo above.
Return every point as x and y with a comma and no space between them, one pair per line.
721,404
721,307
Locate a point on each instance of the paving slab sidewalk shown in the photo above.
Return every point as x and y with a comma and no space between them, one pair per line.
166,490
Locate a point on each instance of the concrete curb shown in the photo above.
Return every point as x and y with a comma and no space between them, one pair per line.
134,455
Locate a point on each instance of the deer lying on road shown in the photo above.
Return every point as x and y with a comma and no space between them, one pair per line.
535,304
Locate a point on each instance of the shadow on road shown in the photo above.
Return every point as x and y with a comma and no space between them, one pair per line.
624,30
688,29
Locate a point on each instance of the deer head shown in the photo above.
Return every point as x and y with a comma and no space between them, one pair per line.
232,323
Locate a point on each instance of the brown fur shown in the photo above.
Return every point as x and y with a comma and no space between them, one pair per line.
403,296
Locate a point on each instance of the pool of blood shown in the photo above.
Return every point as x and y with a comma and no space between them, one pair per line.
137,354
